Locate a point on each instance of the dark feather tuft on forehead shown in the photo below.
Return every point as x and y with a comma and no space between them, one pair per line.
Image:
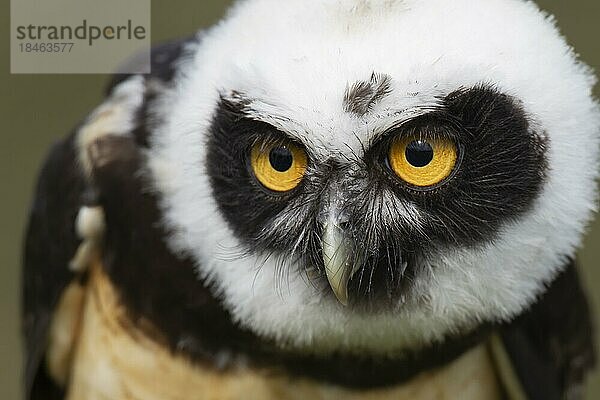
362,95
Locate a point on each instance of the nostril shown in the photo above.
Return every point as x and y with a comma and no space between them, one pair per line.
344,225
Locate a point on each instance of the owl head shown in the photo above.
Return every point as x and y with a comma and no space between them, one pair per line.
377,175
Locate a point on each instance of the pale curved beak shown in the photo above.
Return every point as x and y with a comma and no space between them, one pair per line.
339,263
339,252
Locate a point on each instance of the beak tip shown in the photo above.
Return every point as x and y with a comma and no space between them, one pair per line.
342,298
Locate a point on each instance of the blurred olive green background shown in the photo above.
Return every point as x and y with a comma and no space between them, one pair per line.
35,110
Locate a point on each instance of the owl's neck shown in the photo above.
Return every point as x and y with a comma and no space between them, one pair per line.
115,359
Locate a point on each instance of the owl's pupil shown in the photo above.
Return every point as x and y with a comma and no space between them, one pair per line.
419,153
281,158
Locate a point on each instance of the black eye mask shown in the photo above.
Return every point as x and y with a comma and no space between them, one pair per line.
501,171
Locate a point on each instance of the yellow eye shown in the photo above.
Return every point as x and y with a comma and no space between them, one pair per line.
279,167
423,162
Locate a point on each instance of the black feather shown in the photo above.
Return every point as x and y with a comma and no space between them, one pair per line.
551,345
50,243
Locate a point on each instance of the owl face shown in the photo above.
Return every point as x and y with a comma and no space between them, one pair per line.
370,220
376,176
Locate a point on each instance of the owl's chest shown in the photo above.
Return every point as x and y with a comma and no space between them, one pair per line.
109,359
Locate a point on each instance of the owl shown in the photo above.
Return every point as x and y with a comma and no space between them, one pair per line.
323,200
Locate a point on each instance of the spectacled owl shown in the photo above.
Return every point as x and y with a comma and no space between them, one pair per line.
329,199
